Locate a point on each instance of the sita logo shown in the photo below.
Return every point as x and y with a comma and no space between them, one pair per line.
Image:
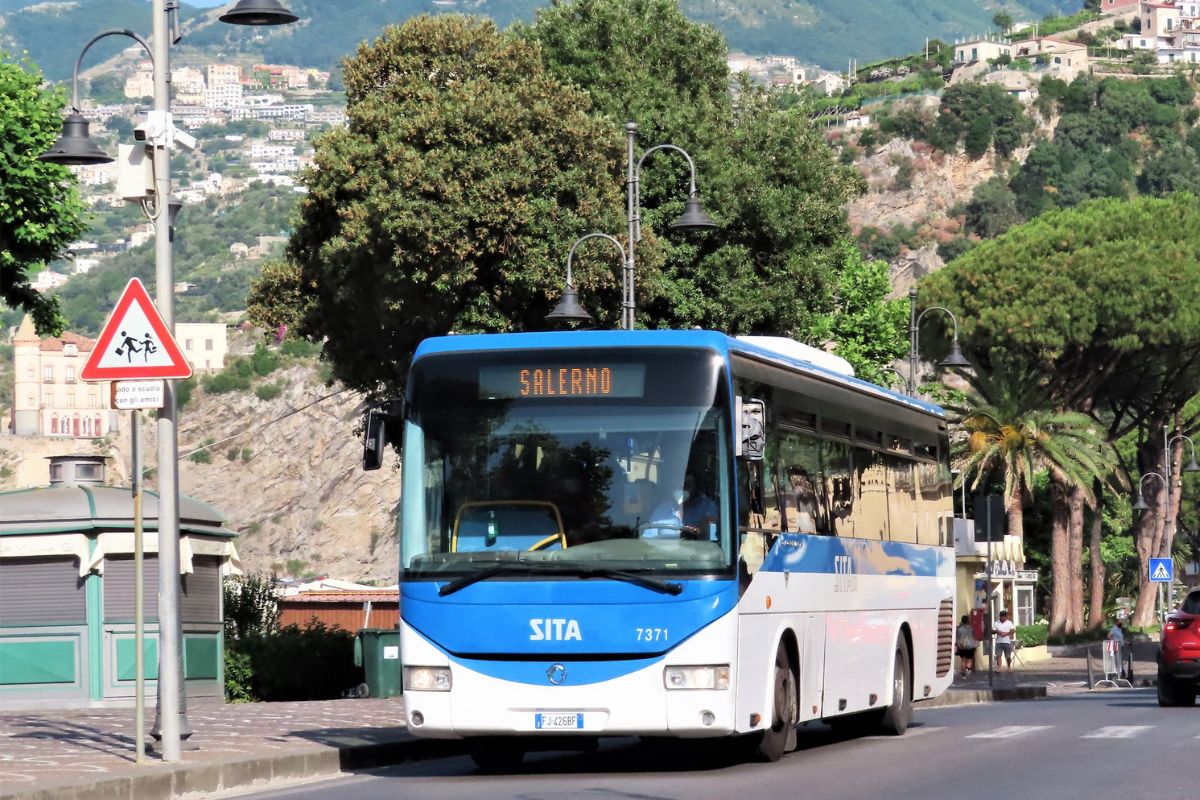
560,630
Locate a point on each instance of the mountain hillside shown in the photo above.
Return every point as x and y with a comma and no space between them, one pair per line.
824,32
289,482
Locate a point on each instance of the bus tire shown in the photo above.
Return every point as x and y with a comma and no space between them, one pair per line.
781,736
897,715
497,755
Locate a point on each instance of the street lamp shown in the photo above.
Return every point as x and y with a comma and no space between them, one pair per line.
568,308
954,359
74,147
692,219
1140,503
1168,532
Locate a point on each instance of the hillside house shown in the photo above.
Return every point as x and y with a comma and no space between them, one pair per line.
1171,30
1063,58
981,49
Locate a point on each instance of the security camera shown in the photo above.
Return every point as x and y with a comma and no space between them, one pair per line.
149,131
153,130
183,139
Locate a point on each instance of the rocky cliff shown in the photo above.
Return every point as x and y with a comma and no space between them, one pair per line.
285,472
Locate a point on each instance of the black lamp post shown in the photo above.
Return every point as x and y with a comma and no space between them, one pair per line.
693,218
569,308
954,359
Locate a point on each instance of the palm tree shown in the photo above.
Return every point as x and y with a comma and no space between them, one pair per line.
1011,432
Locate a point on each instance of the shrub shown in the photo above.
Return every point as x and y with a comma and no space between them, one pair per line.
268,391
953,248
228,380
183,392
298,348
239,676
904,173
1032,635
251,605
310,663
263,362
201,457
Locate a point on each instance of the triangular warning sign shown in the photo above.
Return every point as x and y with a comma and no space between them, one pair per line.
1160,573
135,343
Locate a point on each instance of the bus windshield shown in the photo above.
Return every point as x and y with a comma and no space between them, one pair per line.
565,461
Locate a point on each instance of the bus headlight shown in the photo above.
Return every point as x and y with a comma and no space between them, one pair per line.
427,679
713,676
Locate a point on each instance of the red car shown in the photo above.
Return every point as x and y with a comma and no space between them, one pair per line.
1179,656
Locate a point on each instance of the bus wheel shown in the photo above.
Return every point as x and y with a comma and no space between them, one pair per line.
781,736
899,713
497,755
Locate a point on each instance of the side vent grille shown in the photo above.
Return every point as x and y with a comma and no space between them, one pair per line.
945,648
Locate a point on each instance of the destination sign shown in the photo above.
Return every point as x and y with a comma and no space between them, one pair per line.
562,381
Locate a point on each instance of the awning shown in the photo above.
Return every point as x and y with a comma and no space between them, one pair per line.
190,545
57,544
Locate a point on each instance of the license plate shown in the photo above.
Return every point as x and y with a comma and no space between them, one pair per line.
563,720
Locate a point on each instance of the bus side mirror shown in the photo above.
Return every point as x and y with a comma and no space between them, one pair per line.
751,420
374,439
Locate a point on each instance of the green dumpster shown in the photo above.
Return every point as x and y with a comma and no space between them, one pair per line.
377,651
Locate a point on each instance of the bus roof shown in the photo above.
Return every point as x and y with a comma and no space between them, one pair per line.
712,340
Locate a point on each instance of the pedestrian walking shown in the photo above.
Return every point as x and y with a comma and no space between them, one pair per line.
965,645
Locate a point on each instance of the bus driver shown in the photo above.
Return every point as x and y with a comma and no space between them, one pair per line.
685,510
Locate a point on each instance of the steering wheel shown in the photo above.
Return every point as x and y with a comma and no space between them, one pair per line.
685,531
549,540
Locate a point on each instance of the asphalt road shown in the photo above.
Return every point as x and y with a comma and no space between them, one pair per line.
1117,745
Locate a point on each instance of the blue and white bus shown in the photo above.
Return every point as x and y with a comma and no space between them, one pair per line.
544,595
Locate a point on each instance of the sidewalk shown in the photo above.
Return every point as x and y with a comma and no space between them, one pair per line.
1063,672
88,754
73,755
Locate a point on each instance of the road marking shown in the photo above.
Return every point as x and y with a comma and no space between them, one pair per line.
923,730
1117,732
1010,731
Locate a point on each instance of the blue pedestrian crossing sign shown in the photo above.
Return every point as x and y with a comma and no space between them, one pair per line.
1162,570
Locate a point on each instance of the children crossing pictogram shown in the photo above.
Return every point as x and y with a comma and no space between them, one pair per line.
135,343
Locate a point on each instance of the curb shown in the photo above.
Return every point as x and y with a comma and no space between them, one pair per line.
963,697
162,781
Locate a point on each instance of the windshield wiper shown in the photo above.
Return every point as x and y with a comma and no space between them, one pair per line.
645,581
580,570
484,574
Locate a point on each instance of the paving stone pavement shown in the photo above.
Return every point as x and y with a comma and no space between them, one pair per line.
89,754
43,750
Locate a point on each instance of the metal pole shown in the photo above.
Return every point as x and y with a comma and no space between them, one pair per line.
633,207
912,345
1166,516
139,621
987,522
172,720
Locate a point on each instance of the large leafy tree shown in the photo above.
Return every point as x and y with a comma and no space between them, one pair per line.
1103,302
765,173
451,199
40,210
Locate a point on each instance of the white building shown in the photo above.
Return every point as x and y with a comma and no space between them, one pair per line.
223,95
265,152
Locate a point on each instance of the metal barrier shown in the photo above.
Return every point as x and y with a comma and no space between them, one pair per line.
1113,666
